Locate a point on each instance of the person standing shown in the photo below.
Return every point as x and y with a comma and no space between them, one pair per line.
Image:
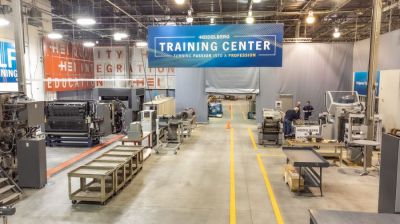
290,116
308,110
298,105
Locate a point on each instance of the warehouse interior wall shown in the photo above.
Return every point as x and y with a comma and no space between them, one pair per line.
233,80
308,71
190,91
388,54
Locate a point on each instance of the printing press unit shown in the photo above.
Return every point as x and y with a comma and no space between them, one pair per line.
345,121
23,150
77,123
132,98
270,131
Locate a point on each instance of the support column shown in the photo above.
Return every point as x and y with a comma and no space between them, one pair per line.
19,43
373,66
298,25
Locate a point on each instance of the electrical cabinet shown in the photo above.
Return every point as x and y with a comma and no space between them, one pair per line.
389,182
31,157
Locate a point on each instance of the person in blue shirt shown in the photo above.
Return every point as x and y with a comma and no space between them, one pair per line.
290,116
308,109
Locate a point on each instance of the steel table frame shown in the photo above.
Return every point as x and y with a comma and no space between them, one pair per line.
308,167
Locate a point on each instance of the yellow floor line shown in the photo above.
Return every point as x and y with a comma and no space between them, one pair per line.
253,141
274,203
232,211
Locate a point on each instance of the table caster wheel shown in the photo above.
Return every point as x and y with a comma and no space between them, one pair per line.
175,152
74,202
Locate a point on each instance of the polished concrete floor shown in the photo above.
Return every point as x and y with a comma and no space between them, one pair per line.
193,187
58,155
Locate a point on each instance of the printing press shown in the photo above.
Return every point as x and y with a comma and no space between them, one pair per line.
270,131
76,123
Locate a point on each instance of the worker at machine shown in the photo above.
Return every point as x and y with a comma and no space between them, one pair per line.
298,105
308,110
290,116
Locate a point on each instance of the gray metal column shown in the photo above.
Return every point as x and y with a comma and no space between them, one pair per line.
127,66
298,25
19,43
373,66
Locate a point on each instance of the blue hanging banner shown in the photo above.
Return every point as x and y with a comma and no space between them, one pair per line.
361,81
257,45
8,62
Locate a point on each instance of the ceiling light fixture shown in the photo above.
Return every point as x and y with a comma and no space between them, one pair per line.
179,2
119,36
336,34
85,21
256,1
4,22
54,36
89,44
189,18
212,21
141,44
250,18
310,18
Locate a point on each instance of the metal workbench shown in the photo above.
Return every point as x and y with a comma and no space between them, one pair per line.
345,217
306,159
337,147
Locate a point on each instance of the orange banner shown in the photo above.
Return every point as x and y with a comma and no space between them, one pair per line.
67,66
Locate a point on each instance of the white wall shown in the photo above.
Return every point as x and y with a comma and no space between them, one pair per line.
389,98
308,71
33,49
388,55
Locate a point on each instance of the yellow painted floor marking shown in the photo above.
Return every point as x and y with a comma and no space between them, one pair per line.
232,210
253,141
274,203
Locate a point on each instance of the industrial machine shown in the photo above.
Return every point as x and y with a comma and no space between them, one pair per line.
252,109
162,105
339,105
174,130
188,119
76,122
133,98
270,131
118,116
215,109
135,131
20,144
148,119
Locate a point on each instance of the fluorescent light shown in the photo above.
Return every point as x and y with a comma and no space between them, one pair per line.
250,18
179,2
141,44
336,34
86,21
256,1
310,18
119,36
54,36
4,22
89,44
212,20
189,18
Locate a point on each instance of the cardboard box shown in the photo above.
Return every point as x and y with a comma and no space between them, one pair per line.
287,169
293,180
